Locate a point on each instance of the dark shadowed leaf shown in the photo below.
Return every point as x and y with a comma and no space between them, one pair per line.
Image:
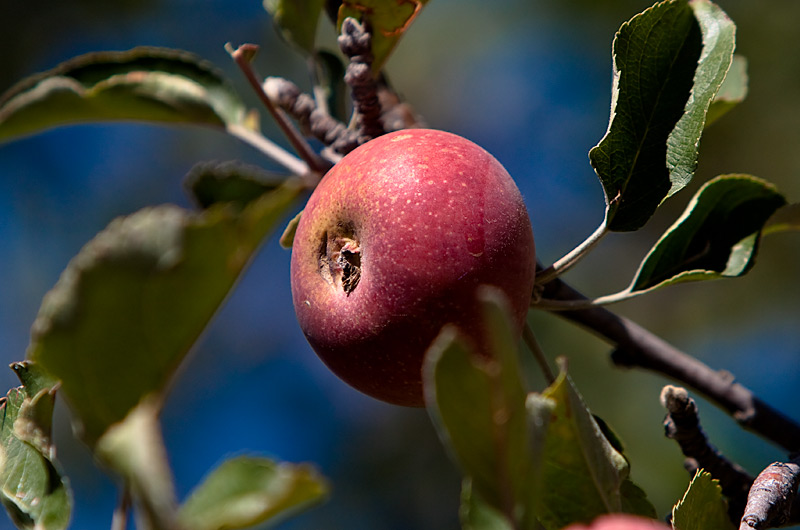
150,84
662,56
702,506
716,236
478,408
32,489
388,19
234,182
297,20
584,475
329,78
132,303
245,491
732,92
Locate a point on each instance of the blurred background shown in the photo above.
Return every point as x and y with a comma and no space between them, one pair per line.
529,80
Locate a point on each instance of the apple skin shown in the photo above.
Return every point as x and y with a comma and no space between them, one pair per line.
619,521
393,244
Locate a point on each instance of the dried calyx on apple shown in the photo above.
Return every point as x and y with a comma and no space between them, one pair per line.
394,243
340,258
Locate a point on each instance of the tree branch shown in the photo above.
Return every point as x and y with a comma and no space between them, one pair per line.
769,504
682,424
637,347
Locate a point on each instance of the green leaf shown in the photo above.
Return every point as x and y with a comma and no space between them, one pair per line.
388,20
732,92
719,41
32,489
297,20
669,63
132,303
784,219
717,235
702,506
329,78
234,182
476,514
145,83
134,448
478,407
583,474
246,491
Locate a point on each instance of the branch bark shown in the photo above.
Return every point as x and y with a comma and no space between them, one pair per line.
637,347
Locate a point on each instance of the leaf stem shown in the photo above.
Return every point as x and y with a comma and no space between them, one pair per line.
119,520
269,148
538,354
572,258
242,56
547,304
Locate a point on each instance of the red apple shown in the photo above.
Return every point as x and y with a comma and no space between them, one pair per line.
620,521
393,244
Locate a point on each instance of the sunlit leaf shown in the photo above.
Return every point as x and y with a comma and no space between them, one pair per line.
388,19
719,41
584,475
702,506
245,491
132,303
297,20
150,84
478,407
32,489
717,235
669,63
732,92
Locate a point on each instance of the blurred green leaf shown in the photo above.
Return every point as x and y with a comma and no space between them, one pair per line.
478,407
732,92
716,236
287,237
134,448
584,475
234,182
784,219
297,20
32,489
388,20
132,303
476,514
245,491
702,506
669,62
145,83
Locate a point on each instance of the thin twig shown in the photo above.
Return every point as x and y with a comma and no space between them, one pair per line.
242,57
769,504
682,424
573,257
538,354
637,347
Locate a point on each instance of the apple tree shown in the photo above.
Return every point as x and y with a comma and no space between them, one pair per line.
414,276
